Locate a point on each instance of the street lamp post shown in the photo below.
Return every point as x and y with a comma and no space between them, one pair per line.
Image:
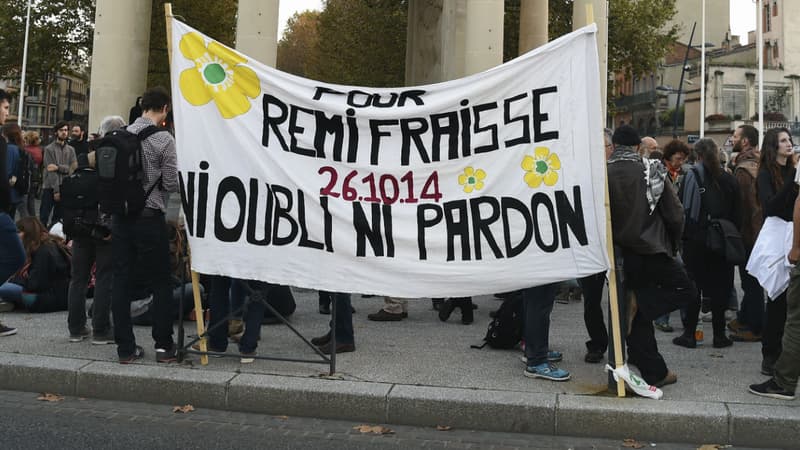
24,66
680,85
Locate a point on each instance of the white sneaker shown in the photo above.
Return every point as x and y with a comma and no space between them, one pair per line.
705,317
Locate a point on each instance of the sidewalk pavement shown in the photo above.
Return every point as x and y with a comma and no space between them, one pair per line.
419,372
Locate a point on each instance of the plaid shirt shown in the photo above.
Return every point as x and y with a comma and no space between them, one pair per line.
159,159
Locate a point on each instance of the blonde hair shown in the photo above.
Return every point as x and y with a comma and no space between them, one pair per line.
32,138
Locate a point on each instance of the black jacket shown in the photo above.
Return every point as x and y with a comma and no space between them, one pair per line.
48,278
5,188
777,203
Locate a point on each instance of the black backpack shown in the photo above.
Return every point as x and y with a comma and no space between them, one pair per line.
24,169
79,203
120,171
505,329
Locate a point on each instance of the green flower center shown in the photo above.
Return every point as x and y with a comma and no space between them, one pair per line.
541,167
214,73
471,180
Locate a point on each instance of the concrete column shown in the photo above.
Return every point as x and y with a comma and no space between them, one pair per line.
795,114
533,24
751,97
718,92
449,39
119,57
579,20
257,30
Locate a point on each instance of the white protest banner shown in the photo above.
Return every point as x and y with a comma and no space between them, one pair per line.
484,184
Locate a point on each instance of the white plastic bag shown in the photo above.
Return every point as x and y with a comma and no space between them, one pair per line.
769,262
637,385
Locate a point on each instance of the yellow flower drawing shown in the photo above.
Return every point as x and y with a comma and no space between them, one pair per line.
472,179
542,166
217,74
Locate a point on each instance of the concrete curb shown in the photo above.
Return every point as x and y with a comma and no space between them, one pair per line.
482,409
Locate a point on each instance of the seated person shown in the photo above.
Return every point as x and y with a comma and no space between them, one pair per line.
42,283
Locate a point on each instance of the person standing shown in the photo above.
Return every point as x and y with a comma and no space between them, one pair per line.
34,150
77,139
59,161
12,255
785,371
647,222
749,320
142,238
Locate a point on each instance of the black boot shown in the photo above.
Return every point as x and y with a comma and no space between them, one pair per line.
445,309
465,303
718,324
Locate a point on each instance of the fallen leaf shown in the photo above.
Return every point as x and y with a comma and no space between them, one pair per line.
715,355
282,417
183,409
712,447
632,443
377,429
443,428
48,397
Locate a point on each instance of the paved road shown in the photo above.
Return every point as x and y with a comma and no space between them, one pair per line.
77,423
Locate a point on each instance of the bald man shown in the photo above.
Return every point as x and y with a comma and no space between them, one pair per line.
647,146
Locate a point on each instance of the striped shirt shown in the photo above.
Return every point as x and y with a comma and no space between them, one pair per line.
159,159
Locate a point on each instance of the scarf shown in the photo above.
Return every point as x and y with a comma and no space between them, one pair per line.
655,173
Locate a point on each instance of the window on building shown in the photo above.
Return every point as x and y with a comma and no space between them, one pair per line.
733,101
775,53
767,20
775,7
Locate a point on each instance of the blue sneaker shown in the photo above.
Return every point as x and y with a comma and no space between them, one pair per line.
552,356
547,371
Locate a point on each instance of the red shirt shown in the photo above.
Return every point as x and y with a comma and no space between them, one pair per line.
36,153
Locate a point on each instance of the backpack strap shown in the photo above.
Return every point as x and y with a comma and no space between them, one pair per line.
143,134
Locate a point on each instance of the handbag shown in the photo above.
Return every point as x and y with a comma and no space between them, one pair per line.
724,239
722,236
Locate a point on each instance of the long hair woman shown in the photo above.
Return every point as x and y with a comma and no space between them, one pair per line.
718,195
41,284
776,191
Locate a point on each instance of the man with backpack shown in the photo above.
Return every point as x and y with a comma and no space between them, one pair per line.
137,199
59,161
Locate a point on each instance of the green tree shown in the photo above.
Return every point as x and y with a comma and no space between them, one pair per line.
215,19
298,48
362,42
60,37
638,36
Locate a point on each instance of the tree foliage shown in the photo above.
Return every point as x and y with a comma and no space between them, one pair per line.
59,40
298,48
362,42
215,19
638,36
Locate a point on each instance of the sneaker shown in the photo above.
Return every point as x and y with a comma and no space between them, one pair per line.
340,348
705,316
166,355
546,371
744,335
593,356
6,306
196,347
670,378
103,338
771,389
663,326
7,331
552,356
138,353
247,357
79,336
383,316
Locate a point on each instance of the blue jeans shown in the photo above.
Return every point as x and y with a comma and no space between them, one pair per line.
344,319
12,255
537,304
10,292
220,303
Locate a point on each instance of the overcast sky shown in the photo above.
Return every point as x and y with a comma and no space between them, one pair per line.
743,14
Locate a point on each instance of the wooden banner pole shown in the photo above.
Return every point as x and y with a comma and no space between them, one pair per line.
198,304
613,297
